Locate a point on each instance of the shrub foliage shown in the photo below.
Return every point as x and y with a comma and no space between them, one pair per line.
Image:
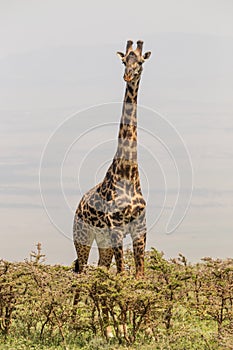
176,306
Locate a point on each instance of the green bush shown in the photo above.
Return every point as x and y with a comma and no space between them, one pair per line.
176,306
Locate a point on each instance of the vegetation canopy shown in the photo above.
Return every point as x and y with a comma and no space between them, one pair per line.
177,305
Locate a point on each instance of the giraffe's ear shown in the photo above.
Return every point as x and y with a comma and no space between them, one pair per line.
146,55
121,55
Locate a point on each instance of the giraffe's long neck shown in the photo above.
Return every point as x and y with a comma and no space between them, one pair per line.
127,138
124,165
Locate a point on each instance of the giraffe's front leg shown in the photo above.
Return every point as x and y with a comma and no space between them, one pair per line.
117,246
105,247
119,258
105,257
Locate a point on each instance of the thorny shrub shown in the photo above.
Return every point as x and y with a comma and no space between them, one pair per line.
175,303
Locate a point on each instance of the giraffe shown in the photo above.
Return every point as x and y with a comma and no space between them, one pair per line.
116,207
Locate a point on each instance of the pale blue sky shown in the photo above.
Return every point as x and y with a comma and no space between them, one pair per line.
57,58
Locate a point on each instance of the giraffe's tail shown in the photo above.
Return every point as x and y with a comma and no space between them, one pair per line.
76,266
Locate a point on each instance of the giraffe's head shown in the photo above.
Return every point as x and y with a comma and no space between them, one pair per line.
133,60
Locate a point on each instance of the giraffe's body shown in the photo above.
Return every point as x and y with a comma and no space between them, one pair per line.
116,207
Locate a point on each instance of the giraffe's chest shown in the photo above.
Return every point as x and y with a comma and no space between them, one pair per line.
123,208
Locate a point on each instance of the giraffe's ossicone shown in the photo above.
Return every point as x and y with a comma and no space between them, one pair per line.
116,207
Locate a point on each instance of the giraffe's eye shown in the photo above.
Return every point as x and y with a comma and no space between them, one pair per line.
123,62
140,63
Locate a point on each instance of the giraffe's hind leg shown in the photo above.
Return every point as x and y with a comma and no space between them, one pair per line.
83,252
139,253
139,244
83,239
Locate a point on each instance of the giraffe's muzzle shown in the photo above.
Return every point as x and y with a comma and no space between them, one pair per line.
128,77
